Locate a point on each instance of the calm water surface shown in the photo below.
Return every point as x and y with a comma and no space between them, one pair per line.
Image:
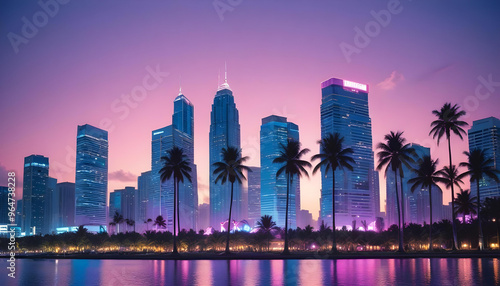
421,271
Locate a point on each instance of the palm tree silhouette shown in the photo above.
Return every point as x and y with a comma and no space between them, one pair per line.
147,223
395,153
426,176
117,220
160,222
448,120
478,167
289,156
333,155
265,225
465,204
176,166
230,169
491,211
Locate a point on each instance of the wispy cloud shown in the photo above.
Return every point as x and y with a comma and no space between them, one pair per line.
391,82
122,176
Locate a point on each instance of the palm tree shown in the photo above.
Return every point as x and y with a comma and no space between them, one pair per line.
426,176
491,211
448,120
289,156
265,225
478,167
147,223
130,222
176,166
333,155
160,222
450,176
395,153
118,219
465,204
230,169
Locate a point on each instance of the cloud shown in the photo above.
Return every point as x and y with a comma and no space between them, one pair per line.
390,82
122,176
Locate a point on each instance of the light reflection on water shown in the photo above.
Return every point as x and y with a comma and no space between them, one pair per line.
423,271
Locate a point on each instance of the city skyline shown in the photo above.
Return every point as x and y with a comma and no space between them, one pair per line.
417,87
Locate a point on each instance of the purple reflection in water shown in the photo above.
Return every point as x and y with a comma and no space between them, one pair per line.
422,271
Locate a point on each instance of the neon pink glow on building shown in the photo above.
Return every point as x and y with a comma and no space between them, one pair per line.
345,83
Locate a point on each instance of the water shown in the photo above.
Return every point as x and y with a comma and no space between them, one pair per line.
422,271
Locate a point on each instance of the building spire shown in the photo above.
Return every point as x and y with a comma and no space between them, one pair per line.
225,72
225,85
180,85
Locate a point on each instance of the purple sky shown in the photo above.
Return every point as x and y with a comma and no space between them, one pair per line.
75,68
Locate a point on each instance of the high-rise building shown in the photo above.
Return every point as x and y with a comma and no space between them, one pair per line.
51,205
415,204
224,132
143,189
124,202
344,109
66,201
304,218
485,134
35,180
161,195
275,132
4,211
91,180
204,216
254,196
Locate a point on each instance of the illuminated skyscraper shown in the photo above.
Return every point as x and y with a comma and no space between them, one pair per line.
275,131
344,109
4,211
143,190
66,198
35,183
161,195
224,132
254,196
91,180
485,134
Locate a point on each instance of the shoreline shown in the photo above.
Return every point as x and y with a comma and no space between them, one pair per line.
260,256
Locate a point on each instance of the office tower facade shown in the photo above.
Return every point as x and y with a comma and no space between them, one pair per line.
4,211
344,109
161,195
51,205
304,218
19,214
91,179
143,189
275,131
35,180
224,132
485,134
204,216
66,201
253,196
125,202
415,204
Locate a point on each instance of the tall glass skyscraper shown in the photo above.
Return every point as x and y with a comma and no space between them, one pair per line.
344,109
485,134
161,195
35,184
143,189
275,131
91,180
254,196
224,132
4,211
66,198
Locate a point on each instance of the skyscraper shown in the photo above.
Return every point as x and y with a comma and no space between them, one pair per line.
253,196
51,205
485,134
66,197
125,202
161,195
224,132
415,204
344,109
91,180
4,211
143,189
275,131
35,180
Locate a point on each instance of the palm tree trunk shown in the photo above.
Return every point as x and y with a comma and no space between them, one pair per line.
453,217
175,207
403,203
178,207
286,251
430,219
400,238
481,240
229,220
334,239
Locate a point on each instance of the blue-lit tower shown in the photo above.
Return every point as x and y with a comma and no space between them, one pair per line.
91,180
35,184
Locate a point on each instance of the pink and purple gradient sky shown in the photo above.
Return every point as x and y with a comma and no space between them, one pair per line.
91,53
